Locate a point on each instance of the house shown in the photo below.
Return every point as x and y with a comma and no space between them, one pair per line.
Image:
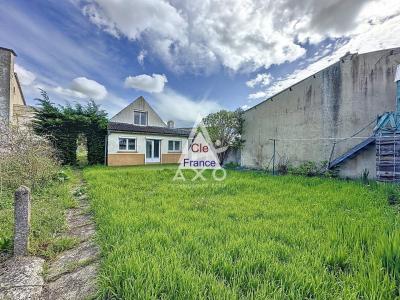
13,108
137,136
329,116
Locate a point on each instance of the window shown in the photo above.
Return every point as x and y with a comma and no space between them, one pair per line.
174,146
140,118
132,144
127,144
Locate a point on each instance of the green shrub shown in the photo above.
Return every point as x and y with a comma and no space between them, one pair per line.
364,176
393,193
231,165
312,169
65,125
25,158
283,166
62,176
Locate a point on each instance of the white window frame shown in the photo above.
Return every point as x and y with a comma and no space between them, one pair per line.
141,112
174,149
127,144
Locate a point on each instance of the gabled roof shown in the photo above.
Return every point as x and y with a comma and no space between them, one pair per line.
124,127
138,104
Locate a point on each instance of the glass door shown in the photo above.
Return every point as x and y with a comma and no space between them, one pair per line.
153,151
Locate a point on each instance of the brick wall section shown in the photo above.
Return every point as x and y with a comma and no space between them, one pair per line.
125,159
5,64
170,158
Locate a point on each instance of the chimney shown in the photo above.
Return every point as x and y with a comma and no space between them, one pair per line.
170,124
397,80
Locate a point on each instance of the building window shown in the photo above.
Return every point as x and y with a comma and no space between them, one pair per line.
127,144
140,118
132,144
174,146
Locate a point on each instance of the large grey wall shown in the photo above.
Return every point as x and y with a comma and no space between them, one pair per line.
334,103
5,82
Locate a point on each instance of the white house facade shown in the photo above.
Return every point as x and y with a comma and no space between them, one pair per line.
138,136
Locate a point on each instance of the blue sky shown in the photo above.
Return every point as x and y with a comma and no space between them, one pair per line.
185,57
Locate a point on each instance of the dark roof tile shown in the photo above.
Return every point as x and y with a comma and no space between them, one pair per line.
125,127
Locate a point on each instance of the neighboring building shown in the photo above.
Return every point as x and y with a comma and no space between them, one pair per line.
13,107
137,136
311,120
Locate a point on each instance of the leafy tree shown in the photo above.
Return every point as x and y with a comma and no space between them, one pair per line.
225,129
63,124
96,131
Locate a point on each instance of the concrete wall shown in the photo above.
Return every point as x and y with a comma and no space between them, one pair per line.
334,103
12,104
22,115
353,168
168,157
6,69
16,98
126,115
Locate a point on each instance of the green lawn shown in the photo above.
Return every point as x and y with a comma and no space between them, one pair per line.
250,236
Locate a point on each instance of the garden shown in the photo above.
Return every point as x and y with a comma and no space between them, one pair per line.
252,235
300,235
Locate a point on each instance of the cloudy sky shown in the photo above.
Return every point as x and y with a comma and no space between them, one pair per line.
185,57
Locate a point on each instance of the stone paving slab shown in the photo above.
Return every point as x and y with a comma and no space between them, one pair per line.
4,257
78,220
80,284
21,278
83,233
74,212
72,259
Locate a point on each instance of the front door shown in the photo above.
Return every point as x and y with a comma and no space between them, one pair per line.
152,151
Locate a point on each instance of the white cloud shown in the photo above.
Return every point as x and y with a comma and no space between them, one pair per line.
262,79
89,88
132,18
142,54
237,34
66,92
174,106
374,37
258,95
81,88
25,77
147,83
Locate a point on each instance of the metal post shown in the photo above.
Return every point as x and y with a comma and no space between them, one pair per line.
330,156
394,156
273,160
397,80
106,150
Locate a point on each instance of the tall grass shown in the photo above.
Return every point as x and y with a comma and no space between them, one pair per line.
48,207
251,236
